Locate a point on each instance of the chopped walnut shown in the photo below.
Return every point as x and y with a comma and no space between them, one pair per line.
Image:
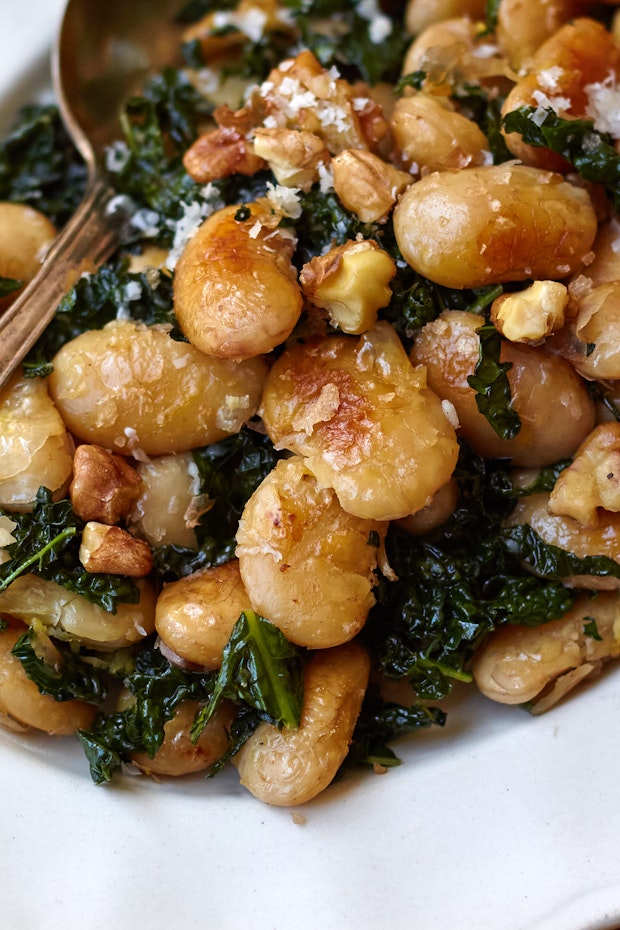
110,549
293,155
367,185
219,154
532,314
104,486
351,282
301,94
592,481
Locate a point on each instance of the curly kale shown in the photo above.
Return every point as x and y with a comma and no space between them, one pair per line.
46,544
40,166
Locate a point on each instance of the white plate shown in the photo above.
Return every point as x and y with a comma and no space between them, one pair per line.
499,822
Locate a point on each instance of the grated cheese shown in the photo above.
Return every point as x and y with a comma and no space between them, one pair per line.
380,25
604,106
284,200
193,216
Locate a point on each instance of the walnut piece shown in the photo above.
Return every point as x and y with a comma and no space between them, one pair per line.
110,549
219,154
351,282
104,486
532,314
593,479
293,155
367,185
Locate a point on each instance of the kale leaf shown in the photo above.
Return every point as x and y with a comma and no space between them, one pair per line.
47,543
67,677
158,688
591,153
454,587
259,668
380,722
97,299
490,381
551,562
9,286
491,14
485,109
40,166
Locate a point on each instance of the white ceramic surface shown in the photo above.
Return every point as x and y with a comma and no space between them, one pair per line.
499,822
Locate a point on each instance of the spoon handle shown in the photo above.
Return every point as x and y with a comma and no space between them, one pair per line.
87,240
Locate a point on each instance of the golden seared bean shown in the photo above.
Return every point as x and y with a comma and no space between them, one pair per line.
290,767
523,25
440,42
35,448
137,391
364,420
430,136
164,511
235,290
178,755
194,616
441,507
580,54
455,51
605,266
67,615
306,564
420,14
494,224
517,664
449,348
21,700
566,533
25,238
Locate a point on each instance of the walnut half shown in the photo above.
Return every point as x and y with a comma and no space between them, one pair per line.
110,549
104,486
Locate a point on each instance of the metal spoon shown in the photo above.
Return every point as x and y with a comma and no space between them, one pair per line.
103,52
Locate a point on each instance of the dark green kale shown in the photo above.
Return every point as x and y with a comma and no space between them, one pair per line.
590,629
490,381
591,153
58,671
543,482
9,286
485,109
551,562
454,587
347,41
98,299
325,223
414,79
158,127
380,722
158,688
491,14
47,544
601,395
40,166
229,472
260,668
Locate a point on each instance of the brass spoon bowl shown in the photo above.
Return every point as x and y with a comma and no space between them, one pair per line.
104,51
